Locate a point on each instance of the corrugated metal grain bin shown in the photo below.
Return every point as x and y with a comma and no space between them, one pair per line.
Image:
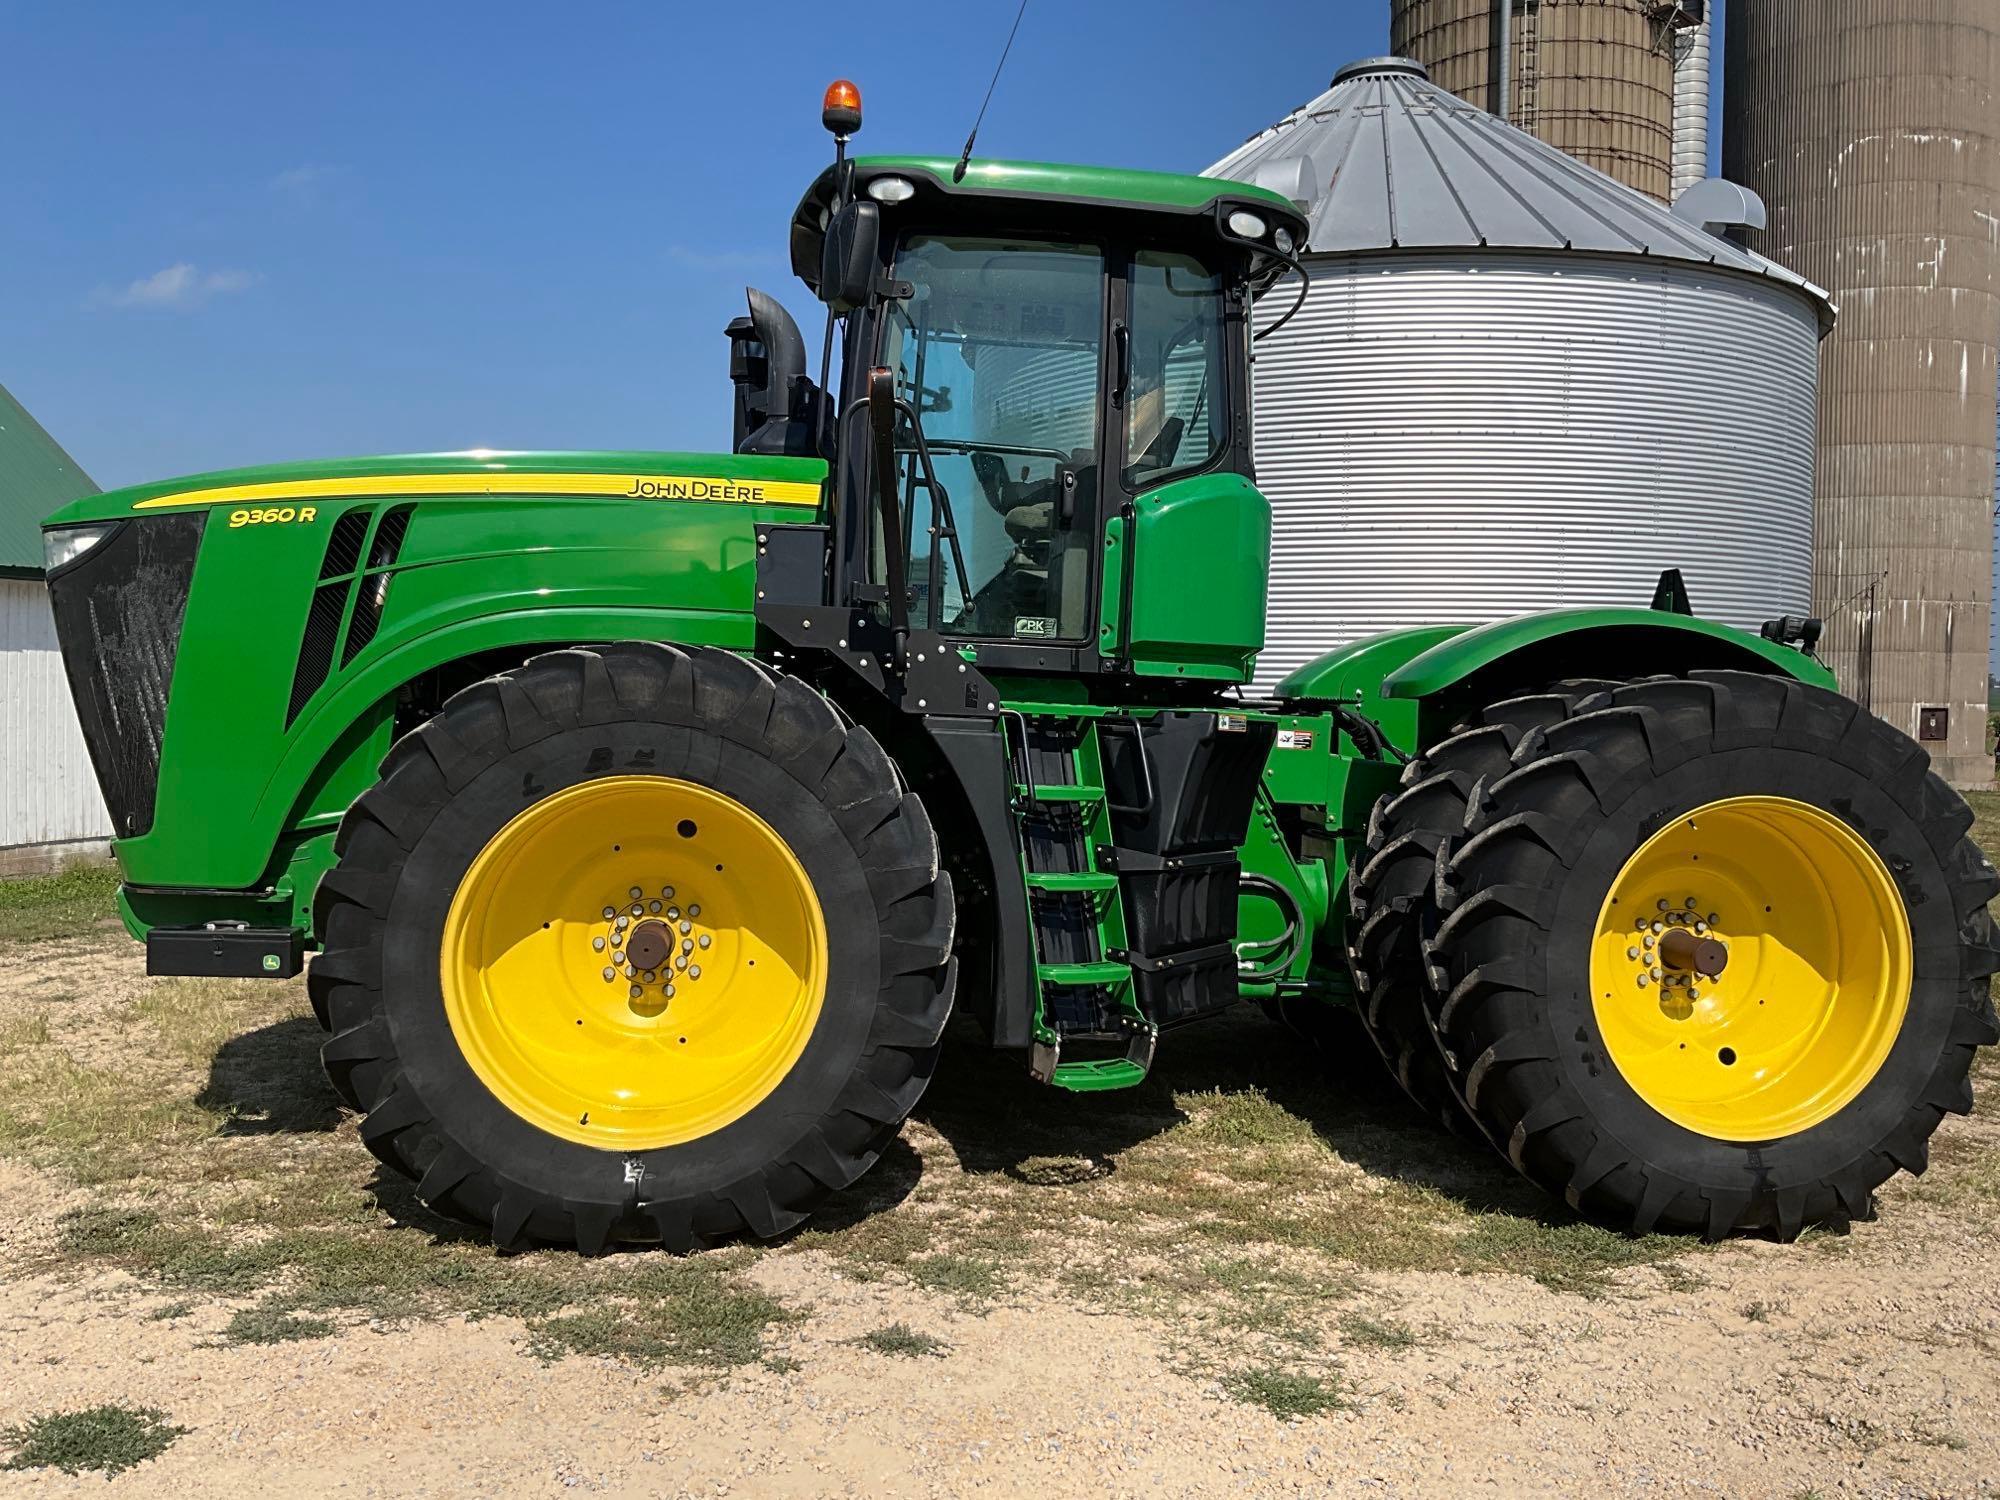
1594,78
1872,131
1516,384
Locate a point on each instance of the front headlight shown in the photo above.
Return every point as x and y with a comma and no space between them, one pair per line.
63,545
1250,226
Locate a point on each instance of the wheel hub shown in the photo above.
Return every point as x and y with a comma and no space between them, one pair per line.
1751,967
598,995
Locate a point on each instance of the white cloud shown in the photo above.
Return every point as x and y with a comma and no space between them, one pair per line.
180,285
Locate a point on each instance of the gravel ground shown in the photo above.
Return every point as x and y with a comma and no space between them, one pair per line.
1861,1363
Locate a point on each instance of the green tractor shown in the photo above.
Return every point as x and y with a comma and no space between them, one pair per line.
645,814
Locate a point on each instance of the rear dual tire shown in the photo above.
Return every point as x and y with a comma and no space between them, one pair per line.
1543,1039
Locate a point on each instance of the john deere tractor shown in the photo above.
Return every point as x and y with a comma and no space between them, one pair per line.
644,815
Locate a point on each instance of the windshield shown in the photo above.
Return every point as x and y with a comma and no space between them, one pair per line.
997,349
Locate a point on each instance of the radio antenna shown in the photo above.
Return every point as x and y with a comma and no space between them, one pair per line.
965,156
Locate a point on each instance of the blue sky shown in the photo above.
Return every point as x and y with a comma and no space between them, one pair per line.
247,233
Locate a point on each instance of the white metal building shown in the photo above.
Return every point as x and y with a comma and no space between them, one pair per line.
1516,384
49,802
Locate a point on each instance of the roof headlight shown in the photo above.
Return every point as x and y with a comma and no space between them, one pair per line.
63,545
1283,240
1250,226
892,189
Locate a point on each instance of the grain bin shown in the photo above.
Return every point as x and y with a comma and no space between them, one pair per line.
1516,384
1872,131
1594,78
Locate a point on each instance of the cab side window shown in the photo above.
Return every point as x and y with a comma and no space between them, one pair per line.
1176,417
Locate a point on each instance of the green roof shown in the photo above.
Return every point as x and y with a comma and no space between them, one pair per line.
36,477
1061,180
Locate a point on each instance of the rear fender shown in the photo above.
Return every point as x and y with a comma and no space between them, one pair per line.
1479,666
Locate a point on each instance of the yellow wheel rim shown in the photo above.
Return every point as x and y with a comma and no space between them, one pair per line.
703,920
1813,984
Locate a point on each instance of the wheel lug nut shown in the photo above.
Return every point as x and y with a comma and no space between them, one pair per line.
1656,973
1664,903
617,958
638,911
666,893
649,976
637,893
631,971
694,911
687,927
609,913
609,975
1631,952
694,971
680,961
597,943
687,945
637,992
1649,940
704,940
1713,919
1659,927
1693,993
1642,981
673,914
653,907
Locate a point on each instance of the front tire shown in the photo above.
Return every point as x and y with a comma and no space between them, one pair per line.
725,1084
1830,872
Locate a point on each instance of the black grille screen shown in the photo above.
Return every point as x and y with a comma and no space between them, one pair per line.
343,544
374,595
329,600
119,611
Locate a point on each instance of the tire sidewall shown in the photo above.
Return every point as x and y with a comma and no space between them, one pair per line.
1937,989
433,1061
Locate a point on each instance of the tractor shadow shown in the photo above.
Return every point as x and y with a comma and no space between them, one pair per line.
268,1082
993,1117
998,1121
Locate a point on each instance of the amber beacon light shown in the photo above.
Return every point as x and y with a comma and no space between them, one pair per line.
840,110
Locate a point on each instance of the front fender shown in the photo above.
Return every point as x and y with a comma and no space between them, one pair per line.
1559,643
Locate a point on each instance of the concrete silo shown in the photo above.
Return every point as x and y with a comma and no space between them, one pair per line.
1869,129
1594,78
1516,384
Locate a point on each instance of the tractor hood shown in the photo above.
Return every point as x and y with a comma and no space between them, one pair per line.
237,643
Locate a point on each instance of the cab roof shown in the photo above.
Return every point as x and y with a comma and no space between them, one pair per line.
1017,184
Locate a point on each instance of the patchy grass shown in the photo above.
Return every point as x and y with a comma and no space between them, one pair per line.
974,1280
1362,1332
274,1323
702,1318
904,1342
1285,1394
76,900
104,1439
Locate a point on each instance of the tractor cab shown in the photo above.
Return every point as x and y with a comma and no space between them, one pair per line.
1043,350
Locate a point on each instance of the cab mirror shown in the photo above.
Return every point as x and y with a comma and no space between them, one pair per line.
848,263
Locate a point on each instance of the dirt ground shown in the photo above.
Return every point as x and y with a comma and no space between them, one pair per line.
1241,1279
